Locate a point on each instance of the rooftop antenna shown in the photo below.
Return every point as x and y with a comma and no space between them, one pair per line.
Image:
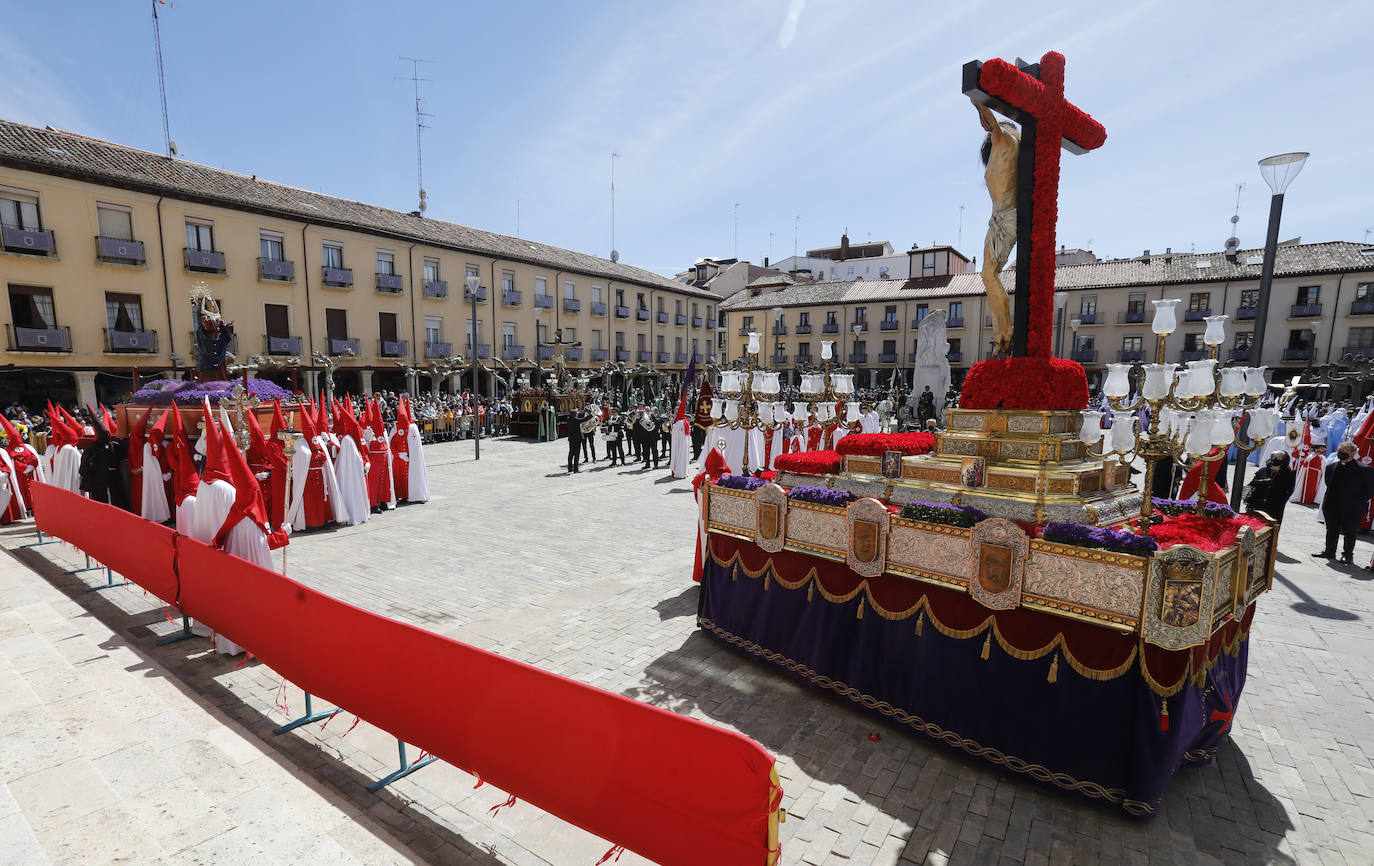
615,253
960,236
736,229
770,243
162,82
796,227
420,115
1233,242
517,218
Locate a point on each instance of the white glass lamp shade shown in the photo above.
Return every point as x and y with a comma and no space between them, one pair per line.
1201,381
731,410
1165,321
1199,439
766,414
1179,423
1232,381
758,381
827,349
1215,334
770,383
780,411
717,407
844,383
1123,433
753,343
1222,431
1118,383
808,383
1255,385
1091,430
1279,171
1158,379
851,412
1263,423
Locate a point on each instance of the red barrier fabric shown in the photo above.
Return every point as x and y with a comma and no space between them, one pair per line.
671,788
138,549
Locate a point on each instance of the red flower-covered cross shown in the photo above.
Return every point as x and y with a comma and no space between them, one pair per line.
1034,96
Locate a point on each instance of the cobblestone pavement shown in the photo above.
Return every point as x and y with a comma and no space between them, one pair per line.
588,576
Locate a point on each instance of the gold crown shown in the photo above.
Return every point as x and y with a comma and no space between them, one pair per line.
1184,570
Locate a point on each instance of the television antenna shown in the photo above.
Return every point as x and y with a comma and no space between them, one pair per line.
615,254
167,142
736,254
420,115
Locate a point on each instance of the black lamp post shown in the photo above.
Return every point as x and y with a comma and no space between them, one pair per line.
1278,172
473,283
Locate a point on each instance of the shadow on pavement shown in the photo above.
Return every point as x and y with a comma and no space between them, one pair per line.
1311,607
682,604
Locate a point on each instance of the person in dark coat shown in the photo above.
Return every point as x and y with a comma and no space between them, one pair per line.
574,443
101,469
1348,488
1272,486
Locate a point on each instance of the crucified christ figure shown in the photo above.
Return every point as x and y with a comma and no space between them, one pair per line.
999,154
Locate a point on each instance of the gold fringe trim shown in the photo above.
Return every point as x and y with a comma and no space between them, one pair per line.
930,729
1054,669
987,645
810,591
859,611
987,629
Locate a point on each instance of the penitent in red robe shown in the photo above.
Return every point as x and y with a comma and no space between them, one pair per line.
379,459
135,463
400,454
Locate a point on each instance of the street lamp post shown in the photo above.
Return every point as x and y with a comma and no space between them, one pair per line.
777,320
473,283
854,352
1061,299
1314,325
1278,172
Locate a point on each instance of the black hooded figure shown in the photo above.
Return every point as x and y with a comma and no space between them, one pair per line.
575,440
101,470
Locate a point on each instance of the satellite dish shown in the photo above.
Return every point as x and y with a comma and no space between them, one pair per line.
172,148
615,255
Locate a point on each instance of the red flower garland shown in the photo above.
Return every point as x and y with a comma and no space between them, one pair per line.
809,462
1024,383
874,444
1205,533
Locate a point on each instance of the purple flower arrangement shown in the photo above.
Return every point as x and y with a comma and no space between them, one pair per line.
1100,538
163,392
821,495
740,482
948,515
1175,507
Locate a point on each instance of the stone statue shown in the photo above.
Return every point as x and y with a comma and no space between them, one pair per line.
213,336
999,152
932,358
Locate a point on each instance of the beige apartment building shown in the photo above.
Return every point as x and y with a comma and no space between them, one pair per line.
102,244
1320,310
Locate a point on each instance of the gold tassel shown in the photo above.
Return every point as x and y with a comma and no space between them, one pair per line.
920,619
766,578
859,614
734,574
810,589
987,646
1054,669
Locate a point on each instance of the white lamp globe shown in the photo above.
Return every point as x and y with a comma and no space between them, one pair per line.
1232,381
1123,433
1165,321
827,349
766,414
1159,378
1201,382
1215,334
1199,438
717,406
1118,383
1222,430
753,343
1255,385
1091,430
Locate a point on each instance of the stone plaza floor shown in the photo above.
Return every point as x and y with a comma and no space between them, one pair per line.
115,750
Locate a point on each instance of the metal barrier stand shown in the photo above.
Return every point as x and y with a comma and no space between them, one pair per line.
306,719
109,576
180,635
40,542
406,769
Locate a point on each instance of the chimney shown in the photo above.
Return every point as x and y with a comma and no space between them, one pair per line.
765,261
844,246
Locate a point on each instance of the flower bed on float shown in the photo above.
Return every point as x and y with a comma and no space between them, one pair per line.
164,392
874,444
810,462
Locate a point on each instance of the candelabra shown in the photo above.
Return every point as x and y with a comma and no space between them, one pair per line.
746,391
1191,411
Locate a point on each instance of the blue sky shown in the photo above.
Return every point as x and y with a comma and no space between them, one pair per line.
847,114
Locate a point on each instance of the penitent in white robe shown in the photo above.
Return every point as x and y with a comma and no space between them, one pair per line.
755,441
733,452
155,507
213,501
331,480
66,469
351,475
10,477
418,476
682,449
300,468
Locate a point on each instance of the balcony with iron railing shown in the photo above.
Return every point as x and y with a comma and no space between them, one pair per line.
1196,315
337,278
661,317
1087,317
1126,356
574,353
1304,311
438,350
1242,354
954,322
277,270
599,355
622,355
780,330
573,305
392,348
1361,308
546,353
641,315
117,251
804,358
140,342
778,360
889,325
483,350
803,329
1244,314
598,308
204,261
696,321
1130,317
916,323
512,352
481,294
954,357
510,298
390,284
745,330
1084,356
887,357
644,356
1359,351
680,357
436,289
1299,353
284,346
862,325
30,242
38,339
543,302
622,312
1187,355
830,328
661,357
343,345
858,357
680,319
